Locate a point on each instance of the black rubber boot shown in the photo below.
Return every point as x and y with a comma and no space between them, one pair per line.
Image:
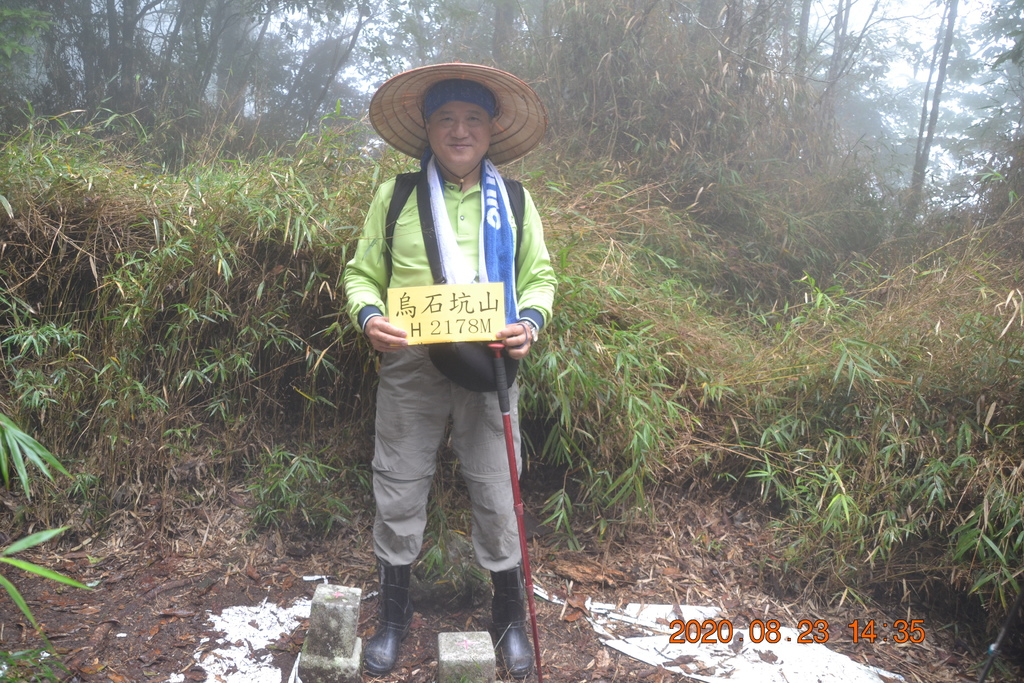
508,623
381,651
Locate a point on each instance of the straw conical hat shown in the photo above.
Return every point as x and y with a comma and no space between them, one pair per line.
396,110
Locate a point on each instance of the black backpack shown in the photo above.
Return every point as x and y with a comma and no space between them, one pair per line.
468,364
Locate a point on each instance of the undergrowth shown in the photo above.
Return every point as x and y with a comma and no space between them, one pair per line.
157,326
886,422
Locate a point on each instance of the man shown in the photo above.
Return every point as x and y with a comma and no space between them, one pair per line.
460,120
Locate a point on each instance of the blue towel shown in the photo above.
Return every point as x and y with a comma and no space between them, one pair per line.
498,238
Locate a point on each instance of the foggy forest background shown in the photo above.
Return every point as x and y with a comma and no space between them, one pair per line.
787,235
880,75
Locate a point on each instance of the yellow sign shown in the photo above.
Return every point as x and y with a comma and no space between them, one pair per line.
448,313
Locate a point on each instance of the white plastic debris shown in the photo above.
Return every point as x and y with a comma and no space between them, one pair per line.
736,658
294,677
247,631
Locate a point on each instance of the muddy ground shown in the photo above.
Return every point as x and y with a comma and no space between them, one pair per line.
147,617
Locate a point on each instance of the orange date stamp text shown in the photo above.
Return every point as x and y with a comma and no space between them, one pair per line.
712,631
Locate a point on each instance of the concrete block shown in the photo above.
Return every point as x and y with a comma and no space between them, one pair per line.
331,652
465,658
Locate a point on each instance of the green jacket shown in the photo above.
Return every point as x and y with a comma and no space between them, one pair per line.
365,275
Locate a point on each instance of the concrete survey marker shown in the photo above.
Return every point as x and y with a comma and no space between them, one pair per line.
331,652
465,658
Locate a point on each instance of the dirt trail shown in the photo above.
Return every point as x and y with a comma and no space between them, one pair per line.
146,619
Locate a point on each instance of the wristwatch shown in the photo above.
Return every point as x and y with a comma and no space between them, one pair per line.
532,326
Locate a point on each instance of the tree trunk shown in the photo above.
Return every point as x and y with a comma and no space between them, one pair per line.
219,18
760,32
844,52
89,46
127,96
341,57
709,13
504,29
171,50
232,76
801,38
840,32
734,25
924,143
785,33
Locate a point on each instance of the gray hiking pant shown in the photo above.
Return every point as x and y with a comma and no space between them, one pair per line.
414,402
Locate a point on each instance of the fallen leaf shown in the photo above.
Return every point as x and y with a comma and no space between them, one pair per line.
582,569
680,660
182,613
87,610
577,601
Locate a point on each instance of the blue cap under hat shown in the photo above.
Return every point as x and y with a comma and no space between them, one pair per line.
458,90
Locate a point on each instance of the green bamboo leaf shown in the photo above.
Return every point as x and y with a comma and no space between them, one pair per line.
10,454
995,549
16,447
7,206
18,456
34,450
31,541
41,457
42,571
18,600
4,464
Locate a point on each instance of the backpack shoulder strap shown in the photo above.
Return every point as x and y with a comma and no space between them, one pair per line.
427,227
405,183
517,202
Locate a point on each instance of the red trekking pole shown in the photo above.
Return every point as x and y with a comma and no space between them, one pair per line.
517,500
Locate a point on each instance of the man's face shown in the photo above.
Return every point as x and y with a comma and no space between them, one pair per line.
460,134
